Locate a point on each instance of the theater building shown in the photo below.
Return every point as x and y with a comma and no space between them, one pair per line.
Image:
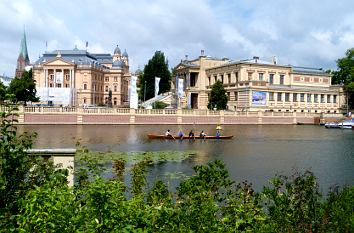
79,78
256,85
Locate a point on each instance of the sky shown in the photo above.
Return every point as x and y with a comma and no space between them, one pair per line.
309,33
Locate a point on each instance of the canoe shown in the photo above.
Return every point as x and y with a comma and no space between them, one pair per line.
156,136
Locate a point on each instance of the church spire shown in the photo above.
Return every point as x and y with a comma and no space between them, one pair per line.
23,58
23,48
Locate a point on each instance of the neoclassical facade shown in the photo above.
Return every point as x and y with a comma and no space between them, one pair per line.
86,77
256,85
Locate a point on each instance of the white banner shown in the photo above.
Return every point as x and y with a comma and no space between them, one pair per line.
180,92
133,94
59,77
157,83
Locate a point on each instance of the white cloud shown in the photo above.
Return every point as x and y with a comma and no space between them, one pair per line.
303,32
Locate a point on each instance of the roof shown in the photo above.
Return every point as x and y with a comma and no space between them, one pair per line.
78,57
308,70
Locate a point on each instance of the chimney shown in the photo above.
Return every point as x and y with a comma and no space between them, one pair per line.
202,52
255,58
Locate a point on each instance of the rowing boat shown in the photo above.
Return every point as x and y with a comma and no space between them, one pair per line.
156,136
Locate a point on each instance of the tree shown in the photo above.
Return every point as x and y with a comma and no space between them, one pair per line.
345,74
2,91
23,88
156,67
218,98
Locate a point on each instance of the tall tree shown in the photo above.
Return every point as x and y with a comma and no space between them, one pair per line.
2,91
23,88
218,98
345,74
156,67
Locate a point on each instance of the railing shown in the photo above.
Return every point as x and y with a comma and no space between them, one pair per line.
183,112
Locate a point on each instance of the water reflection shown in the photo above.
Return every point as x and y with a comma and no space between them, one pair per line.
255,154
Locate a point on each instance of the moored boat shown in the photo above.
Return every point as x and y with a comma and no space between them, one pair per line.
331,125
347,124
157,136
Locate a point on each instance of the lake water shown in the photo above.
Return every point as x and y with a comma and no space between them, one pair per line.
256,153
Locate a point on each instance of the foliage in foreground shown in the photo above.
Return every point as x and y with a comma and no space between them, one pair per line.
36,198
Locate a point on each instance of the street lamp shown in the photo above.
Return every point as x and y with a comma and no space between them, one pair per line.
144,90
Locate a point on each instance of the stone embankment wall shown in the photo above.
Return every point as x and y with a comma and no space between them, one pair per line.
83,116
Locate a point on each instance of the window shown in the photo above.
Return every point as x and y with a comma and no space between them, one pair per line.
328,98
67,77
295,97
235,95
115,101
115,88
85,100
322,98
58,84
281,81
308,98
209,79
271,96
228,78
193,79
228,96
66,85
222,78
85,86
51,85
106,88
106,79
115,78
236,74
279,96
51,76
302,97
271,78
260,76
287,97
249,76
334,98
315,98
215,78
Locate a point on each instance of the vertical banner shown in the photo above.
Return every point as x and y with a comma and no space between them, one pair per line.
180,88
133,94
157,83
59,77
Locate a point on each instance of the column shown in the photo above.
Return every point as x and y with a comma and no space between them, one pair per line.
45,77
62,73
55,76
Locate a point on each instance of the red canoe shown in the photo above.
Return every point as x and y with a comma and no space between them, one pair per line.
156,136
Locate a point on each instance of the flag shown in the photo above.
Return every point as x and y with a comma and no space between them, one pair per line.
133,94
180,92
157,83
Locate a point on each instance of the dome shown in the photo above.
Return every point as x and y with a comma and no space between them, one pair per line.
125,54
117,50
118,64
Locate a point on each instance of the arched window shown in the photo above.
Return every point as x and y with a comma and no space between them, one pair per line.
115,100
85,86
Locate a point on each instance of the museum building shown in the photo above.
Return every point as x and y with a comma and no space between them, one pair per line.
256,85
79,78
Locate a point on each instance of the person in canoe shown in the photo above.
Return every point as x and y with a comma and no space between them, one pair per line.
202,134
168,134
191,135
180,134
218,131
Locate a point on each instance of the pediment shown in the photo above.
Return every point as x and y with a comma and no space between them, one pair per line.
58,62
